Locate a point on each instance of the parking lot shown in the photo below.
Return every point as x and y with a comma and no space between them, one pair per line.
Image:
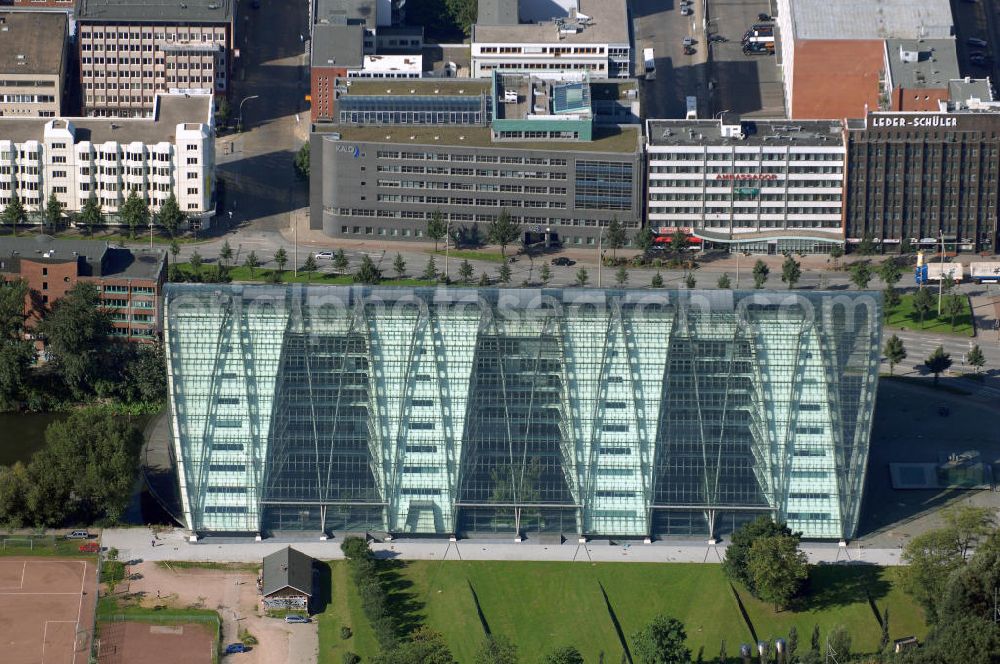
718,74
978,20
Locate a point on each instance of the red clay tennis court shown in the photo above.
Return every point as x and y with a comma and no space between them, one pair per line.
46,610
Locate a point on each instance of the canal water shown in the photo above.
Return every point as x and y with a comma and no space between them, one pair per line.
22,434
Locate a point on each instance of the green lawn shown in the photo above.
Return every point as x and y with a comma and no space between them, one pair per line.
903,316
541,605
261,275
41,545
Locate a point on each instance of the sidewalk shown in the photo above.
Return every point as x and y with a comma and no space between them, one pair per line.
135,543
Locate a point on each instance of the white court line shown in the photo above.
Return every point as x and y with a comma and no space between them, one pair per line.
79,610
24,565
45,633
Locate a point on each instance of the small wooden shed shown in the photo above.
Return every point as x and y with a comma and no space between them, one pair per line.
287,581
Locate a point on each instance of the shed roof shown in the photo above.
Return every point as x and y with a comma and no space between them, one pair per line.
287,568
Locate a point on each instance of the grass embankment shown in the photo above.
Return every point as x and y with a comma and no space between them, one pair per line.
542,605
472,255
195,564
261,275
42,545
903,316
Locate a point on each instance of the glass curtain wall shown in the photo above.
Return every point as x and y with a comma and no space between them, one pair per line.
465,412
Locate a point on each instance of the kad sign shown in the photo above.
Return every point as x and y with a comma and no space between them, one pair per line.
746,176
914,121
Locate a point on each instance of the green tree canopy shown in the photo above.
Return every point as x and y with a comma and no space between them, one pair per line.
14,212
301,162
545,274
503,274
975,358
170,215
368,273
895,352
496,650
689,280
281,259
938,362
424,646
134,212
644,238
735,564
656,281
16,353
251,262
621,276
225,253
662,641
582,277
465,272
889,272
503,231
954,305
399,266
564,655
76,331
861,274
91,214
437,228
791,271
340,262
430,272
615,237
53,211
724,281
760,272
867,245
922,303
778,569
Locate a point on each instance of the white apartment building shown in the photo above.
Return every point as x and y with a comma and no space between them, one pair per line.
76,158
552,39
131,50
765,186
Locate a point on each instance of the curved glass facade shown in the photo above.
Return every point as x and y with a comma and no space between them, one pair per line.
473,412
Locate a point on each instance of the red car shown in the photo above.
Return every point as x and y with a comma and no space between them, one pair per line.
90,547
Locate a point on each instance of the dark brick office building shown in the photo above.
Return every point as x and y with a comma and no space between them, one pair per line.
915,175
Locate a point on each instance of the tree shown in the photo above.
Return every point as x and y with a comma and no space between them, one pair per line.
657,280
836,253
838,643
922,303
437,228
222,112
496,650
430,272
564,655
678,243
144,375
867,245
975,359
890,296
971,590
503,231
737,553
545,274
760,272
969,525
791,271
884,624
503,274
16,353
340,262
368,272
484,279
195,262
889,272
778,569
689,280
953,306
424,646
861,274
938,362
53,212
14,213
968,639
905,246
302,162
947,283
399,266
582,277
225,253
621,276
463,13
134,212
724,281
644,238
281,259
309,267
615,237
661,642
251,262
91,214
76,331
895,352
465,272
792,643
814,640
170,215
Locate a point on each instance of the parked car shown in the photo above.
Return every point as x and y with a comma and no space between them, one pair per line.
689,41
764,17
980,59
717,39
976,41
325,255
90,547
686,10
292,618
78,534
234,648
562,260
689,50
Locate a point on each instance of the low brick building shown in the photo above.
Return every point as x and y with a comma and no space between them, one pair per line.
129,282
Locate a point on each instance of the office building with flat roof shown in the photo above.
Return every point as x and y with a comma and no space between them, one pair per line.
33,63
567,38
587,413
131,50
172,152
130,281
399,151
765,186
919,176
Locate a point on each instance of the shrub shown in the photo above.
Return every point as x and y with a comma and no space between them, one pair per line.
345,632
350,658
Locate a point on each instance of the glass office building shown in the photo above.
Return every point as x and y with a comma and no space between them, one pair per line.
488,412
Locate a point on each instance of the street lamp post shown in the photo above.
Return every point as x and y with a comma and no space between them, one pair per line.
447,245
245,100
941,276
600,257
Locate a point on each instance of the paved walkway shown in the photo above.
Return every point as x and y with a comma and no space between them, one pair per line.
135,543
